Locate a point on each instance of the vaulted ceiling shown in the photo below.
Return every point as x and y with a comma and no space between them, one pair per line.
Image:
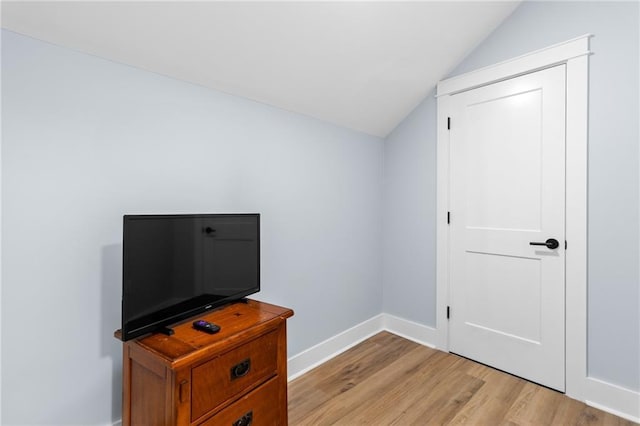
363,65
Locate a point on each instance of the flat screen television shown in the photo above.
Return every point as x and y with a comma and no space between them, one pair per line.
176,266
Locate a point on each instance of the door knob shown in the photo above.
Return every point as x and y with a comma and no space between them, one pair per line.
551,243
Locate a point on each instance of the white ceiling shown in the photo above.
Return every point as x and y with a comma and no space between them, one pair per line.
363,65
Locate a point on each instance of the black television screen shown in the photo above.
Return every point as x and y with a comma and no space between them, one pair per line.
175,266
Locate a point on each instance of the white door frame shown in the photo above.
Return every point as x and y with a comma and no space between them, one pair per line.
575,54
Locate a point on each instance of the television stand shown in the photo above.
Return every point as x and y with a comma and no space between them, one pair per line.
236,376
164,330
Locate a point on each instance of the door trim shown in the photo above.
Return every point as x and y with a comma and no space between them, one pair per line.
575,55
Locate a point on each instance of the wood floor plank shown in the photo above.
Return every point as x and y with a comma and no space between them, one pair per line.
526,407
344,372
491,403
367,394
594,417
388,380
441,406
404,393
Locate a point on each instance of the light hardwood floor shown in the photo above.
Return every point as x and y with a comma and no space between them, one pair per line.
388,380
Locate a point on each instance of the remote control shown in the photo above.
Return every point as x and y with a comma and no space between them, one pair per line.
206,326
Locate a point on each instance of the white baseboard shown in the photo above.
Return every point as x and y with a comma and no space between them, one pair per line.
410,330
118,423
316,355
310,358
613,399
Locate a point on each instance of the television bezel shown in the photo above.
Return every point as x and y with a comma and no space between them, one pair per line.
159,325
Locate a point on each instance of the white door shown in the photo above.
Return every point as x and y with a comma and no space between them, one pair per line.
507,164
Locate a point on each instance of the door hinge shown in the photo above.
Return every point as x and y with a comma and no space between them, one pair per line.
448,218
565,244
448,123
448,312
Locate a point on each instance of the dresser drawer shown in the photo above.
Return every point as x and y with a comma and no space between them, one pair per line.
259,408
233,373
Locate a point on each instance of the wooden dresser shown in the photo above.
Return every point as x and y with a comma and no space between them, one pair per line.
236,377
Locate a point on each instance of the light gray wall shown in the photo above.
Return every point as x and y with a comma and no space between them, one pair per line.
409,212
614,251
86,140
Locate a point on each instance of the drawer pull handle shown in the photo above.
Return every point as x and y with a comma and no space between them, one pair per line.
241,369
245,420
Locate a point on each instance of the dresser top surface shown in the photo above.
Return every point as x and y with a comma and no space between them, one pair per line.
235,320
